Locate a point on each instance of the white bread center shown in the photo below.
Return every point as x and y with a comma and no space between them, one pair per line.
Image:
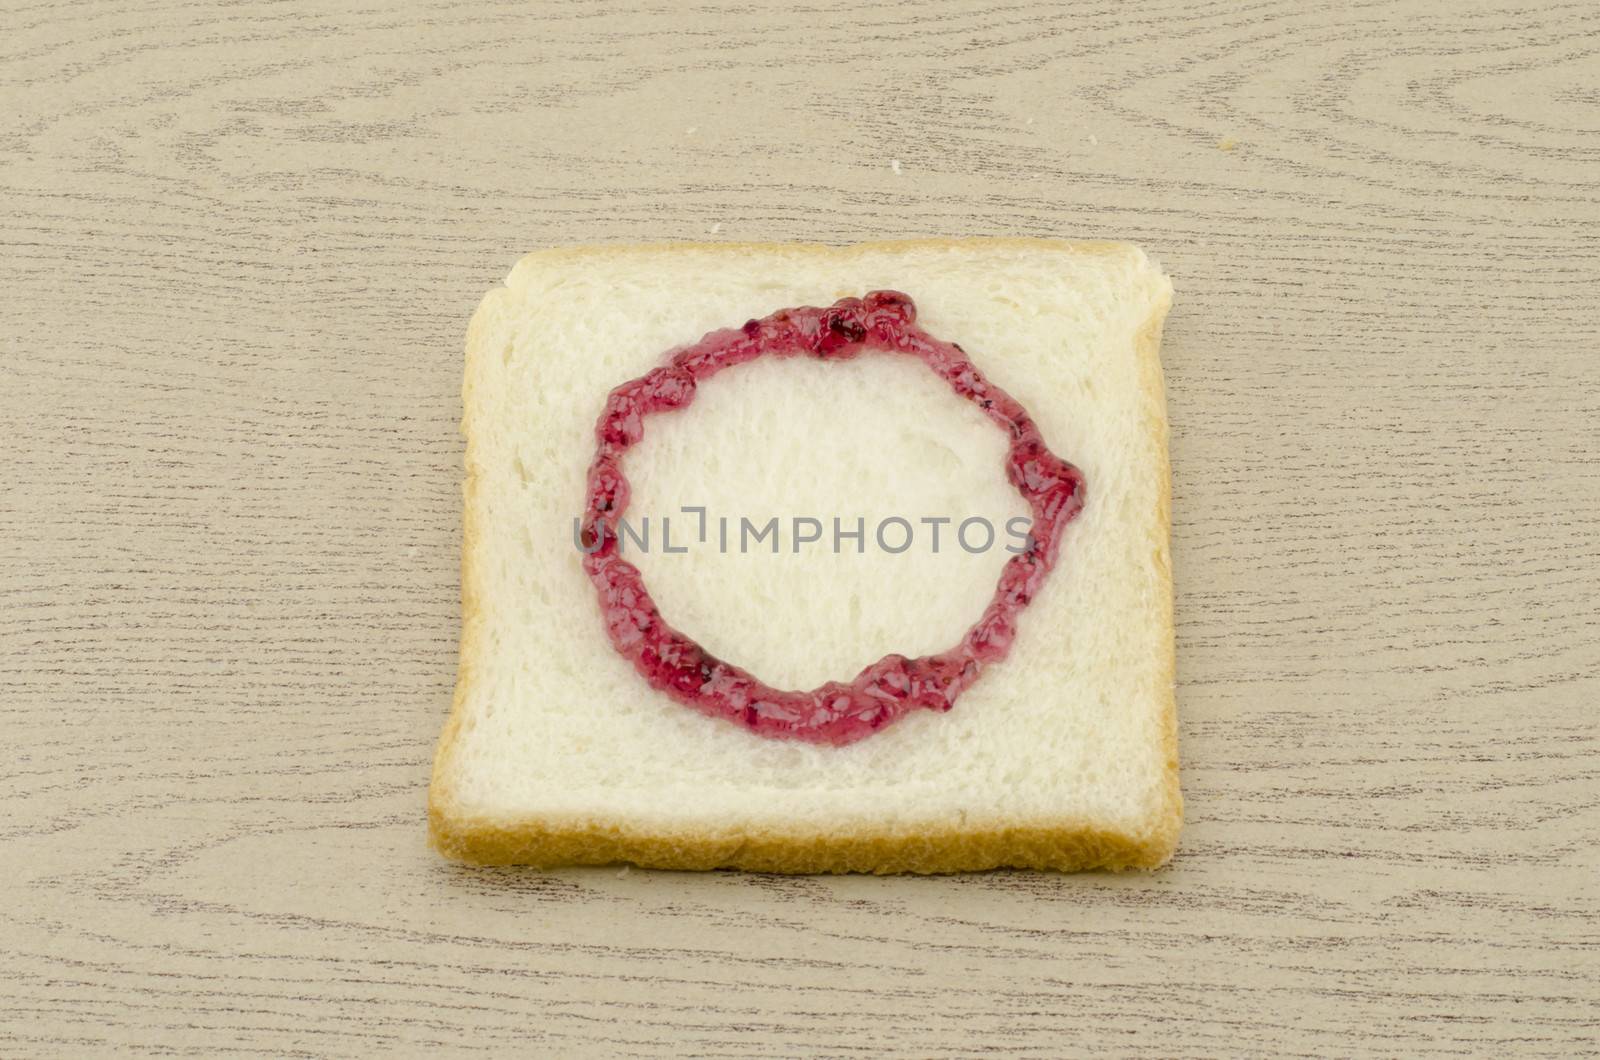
866,442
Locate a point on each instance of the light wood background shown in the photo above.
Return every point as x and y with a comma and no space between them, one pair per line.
240,246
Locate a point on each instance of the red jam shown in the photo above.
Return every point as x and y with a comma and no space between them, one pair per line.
834,713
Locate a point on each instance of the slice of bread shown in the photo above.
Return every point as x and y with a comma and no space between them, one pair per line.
1062,755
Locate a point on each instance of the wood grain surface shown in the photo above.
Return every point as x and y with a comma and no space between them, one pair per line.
240,246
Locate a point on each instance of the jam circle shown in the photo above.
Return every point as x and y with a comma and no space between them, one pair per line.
834,713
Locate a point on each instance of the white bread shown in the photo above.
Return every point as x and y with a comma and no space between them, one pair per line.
1063,755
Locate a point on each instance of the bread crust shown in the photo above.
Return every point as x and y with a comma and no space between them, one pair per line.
1148,342
1062,845
550,843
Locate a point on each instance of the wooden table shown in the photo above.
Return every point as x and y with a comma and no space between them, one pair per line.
241,243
